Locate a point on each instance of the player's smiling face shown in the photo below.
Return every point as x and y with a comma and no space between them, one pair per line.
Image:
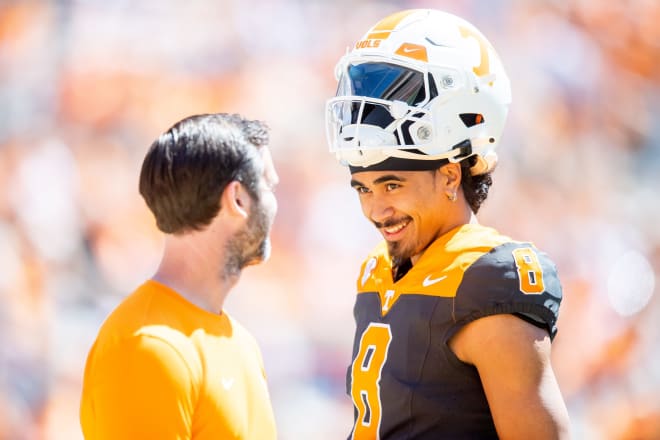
407,207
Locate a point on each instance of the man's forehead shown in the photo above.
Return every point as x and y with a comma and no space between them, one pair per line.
376,177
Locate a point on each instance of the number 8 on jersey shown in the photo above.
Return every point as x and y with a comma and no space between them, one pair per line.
365,385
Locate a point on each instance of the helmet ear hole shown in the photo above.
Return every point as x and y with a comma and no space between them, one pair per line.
472,119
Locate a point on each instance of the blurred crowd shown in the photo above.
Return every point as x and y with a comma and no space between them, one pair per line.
86,85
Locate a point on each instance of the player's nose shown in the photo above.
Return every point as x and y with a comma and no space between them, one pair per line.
380,210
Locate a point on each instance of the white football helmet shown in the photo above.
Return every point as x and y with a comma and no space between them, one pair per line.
423,85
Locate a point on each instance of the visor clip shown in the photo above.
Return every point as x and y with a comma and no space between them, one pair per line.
424,133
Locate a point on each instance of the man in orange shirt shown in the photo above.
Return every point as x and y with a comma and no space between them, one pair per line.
169,362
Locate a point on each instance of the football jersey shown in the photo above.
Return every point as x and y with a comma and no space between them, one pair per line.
163,368
404,380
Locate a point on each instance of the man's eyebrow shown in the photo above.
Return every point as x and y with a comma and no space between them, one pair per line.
381,179
389,177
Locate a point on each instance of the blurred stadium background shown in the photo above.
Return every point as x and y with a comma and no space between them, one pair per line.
86,85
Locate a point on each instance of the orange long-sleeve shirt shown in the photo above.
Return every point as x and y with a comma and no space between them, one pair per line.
163,368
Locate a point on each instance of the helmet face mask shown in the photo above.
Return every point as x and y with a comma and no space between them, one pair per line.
418,86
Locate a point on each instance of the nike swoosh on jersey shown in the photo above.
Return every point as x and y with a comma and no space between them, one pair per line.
428,281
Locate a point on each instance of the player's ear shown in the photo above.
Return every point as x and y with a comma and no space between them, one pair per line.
450,175
235,199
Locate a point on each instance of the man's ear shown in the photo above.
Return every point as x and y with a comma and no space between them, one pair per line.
235,200
451,176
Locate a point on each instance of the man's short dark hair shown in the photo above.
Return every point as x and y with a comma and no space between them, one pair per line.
188,167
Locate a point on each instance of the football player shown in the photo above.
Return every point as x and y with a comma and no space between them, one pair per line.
454,321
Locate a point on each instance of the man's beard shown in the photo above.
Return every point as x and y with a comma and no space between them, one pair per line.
250,245
398,251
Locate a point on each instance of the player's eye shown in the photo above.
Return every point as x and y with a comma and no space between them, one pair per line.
392,186
361,189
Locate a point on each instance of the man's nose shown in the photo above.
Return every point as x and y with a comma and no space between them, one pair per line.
380,210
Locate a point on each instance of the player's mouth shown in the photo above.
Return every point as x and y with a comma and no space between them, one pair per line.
393,232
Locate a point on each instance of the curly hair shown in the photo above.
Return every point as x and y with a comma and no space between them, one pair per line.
476,187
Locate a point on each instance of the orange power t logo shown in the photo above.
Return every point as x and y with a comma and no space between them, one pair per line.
383,29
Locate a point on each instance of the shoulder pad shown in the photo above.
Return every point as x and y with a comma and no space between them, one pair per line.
514,278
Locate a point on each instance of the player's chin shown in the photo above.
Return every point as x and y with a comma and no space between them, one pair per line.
399,251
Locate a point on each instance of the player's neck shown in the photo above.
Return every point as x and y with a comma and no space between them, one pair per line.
462,216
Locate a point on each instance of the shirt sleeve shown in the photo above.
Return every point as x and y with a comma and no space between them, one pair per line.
141,388
513,278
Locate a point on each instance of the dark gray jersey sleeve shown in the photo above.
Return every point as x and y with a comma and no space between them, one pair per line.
514,278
